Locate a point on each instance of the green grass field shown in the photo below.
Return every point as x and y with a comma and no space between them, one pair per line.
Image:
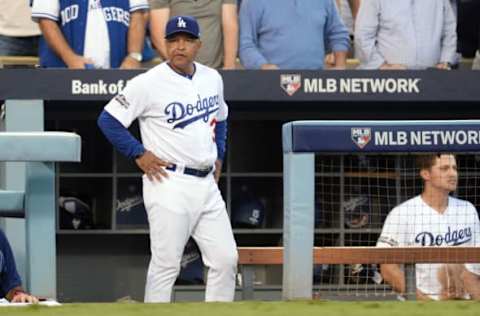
304,308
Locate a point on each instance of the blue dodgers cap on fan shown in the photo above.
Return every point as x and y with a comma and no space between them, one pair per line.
182,24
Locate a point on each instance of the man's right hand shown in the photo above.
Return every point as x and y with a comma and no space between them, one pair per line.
77,62
152,166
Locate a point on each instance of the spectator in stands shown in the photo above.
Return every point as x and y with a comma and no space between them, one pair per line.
10,282
290,34
104,34
405,34
434,218
217,19
469,30
18,34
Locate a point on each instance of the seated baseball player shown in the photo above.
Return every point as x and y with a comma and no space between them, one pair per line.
10,282
434,218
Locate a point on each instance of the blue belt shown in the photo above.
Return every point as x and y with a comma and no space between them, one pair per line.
201,173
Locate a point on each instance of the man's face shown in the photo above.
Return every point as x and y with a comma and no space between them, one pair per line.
443,174
182,50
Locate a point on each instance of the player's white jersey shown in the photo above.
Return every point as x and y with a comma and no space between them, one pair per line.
176,114
414,223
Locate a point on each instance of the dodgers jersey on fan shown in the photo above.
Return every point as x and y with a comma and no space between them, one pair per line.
177,115
415,223
74,19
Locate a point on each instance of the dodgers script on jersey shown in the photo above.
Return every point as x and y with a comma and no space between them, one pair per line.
177,115
415,223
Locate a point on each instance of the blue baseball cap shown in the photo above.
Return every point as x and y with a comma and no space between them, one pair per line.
182,24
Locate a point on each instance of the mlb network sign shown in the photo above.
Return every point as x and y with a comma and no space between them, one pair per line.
291,83
361,136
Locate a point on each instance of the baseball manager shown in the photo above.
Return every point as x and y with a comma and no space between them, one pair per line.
182,116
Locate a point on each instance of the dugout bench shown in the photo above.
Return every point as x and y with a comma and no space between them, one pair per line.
40,151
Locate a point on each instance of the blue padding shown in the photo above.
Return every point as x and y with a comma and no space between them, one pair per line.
381,136
39,146
12,204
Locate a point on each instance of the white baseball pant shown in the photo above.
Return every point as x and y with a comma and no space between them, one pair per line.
183,206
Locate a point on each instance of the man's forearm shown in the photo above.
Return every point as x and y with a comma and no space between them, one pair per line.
340,59
230,35
394,276
471,284
136,32
55,39
158,20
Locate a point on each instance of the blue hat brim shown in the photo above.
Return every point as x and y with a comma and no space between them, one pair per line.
169,35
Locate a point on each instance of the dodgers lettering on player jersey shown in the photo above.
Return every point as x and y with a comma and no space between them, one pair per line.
71,15
177,115
182,115
450,238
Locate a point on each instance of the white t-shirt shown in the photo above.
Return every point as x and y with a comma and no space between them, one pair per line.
97,42
15,19
177,115
414,223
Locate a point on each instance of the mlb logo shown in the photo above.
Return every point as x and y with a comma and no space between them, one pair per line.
290,83
361,136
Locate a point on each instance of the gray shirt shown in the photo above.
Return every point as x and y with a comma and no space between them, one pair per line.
415,33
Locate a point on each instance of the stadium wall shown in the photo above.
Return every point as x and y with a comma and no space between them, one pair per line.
260,102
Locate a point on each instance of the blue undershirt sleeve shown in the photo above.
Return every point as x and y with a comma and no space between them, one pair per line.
119,136
221,138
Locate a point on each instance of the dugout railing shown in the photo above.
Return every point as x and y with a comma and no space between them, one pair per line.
301,141
249,257
36,201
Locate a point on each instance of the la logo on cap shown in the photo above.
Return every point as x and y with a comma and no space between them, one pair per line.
181,23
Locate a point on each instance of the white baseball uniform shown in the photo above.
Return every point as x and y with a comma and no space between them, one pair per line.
414,223
177,117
